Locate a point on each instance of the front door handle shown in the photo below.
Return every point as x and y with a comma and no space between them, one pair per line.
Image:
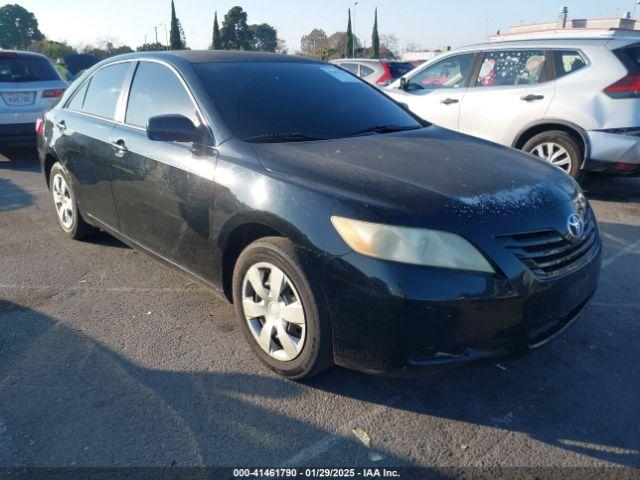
61,125
449,101
120,147
531,97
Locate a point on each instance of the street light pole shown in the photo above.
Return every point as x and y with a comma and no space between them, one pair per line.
355,37
166,35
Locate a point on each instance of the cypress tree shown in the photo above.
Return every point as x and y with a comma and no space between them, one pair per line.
375,38
348,46
175,37
216,44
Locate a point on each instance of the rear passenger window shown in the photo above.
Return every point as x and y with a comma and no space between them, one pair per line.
350,67
156,90
104,90
512,67
366,71
78,98
568,61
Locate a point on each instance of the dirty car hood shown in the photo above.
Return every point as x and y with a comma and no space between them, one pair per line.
425,172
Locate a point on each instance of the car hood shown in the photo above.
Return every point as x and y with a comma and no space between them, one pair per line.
416,176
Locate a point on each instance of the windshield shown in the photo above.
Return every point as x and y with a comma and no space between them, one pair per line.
298,101
26,69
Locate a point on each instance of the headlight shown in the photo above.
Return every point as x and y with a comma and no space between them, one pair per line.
416,246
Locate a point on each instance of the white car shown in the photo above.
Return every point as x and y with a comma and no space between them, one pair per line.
572,102
29,83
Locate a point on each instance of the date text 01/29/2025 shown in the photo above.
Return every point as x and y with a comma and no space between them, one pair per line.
315,473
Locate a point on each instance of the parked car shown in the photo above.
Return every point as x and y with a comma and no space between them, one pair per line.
29,83
377,72
341,227
572,102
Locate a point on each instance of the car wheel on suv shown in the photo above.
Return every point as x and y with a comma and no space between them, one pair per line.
558,148
281,315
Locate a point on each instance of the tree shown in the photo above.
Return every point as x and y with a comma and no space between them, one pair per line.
235,33
375,38
314,44
18,27
282,47
348,48
216,42
176,36
388,46
264,38
52,50
151,47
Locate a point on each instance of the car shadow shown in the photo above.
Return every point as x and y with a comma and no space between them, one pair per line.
13,197
68,400
103,239
612,189
21,157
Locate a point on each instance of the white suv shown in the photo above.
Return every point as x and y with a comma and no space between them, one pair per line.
573,102
29,83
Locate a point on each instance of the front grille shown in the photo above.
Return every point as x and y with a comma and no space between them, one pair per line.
549,254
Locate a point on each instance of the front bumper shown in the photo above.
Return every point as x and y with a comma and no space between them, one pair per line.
401,320
613,153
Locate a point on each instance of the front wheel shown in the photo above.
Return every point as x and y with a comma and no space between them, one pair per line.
559,149
281,309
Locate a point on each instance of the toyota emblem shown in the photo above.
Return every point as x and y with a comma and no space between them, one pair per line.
575,225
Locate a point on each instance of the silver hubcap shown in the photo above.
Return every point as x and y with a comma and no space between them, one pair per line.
555,154
274,312
62,201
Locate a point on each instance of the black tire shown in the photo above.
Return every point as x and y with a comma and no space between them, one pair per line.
564,140
79,229
317,351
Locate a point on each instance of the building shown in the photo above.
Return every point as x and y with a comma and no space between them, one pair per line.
577,27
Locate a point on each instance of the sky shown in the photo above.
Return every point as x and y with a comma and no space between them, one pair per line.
428,23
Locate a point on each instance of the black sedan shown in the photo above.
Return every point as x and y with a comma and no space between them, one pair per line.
343,229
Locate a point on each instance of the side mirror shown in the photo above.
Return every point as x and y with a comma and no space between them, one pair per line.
172,128
403,83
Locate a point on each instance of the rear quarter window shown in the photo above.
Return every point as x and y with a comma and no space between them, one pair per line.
568,61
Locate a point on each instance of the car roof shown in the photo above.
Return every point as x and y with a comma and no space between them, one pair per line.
20,53
212,56
609,42
368,60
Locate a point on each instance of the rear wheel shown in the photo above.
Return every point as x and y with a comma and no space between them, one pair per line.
65,205
559,149
281,310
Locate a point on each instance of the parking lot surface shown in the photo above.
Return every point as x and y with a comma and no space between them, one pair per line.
108,358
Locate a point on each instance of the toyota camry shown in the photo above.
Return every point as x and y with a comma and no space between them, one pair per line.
344,229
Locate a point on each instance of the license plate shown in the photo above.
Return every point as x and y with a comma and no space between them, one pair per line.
16,99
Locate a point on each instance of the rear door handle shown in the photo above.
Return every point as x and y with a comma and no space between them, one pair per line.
120,147
532,97
61,125
449,101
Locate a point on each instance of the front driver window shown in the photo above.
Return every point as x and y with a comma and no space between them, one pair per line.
156,90
448,73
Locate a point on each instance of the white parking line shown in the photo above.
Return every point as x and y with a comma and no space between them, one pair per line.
325,443
620,253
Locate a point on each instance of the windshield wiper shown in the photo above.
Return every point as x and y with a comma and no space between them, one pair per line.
283,137
385,129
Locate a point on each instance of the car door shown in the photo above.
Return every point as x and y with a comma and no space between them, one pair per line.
84,130
164,190
435,92
512,90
